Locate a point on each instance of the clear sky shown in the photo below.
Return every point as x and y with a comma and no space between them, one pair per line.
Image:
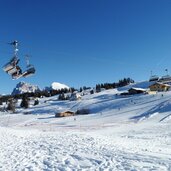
84,42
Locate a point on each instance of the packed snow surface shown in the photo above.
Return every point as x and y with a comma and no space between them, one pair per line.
120,133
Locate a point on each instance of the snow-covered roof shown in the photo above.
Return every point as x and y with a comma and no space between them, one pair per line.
140,89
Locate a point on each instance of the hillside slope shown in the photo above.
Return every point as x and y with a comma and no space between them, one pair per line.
120,133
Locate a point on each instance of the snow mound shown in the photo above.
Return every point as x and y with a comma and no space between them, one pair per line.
58,86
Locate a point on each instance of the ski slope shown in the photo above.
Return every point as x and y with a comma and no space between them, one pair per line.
120,133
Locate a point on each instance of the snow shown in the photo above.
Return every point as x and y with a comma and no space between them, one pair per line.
120,133
141,89
58,86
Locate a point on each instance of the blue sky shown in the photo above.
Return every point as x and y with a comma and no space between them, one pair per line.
84,42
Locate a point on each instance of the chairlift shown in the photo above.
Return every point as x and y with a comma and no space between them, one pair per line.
29,72
13,69
11,64
30,68
17,74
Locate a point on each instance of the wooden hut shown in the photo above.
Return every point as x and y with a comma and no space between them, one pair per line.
134,90
159,87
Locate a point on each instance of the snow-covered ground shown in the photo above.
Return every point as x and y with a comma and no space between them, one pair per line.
120,133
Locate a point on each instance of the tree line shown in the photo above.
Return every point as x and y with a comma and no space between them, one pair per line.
10,99
120,83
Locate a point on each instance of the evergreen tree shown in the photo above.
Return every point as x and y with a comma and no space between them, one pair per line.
25,102
11,105
61,97
81,89
98,88
36,102
1,101
92,92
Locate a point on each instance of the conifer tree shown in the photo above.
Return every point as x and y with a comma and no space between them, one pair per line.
25,102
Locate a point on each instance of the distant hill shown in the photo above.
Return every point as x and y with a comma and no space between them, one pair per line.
23,87
57,86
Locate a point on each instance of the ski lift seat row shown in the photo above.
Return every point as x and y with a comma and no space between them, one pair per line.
14,70
10,65
25,74
29,72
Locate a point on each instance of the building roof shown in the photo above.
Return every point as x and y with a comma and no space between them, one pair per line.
158,83
138,89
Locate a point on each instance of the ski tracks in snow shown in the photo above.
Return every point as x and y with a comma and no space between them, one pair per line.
68,151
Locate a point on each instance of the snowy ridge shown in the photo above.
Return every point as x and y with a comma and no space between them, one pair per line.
23,87
58,86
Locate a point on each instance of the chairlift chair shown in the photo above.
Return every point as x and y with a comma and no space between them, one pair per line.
17,74
29,72
12,71
11,65
30,68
